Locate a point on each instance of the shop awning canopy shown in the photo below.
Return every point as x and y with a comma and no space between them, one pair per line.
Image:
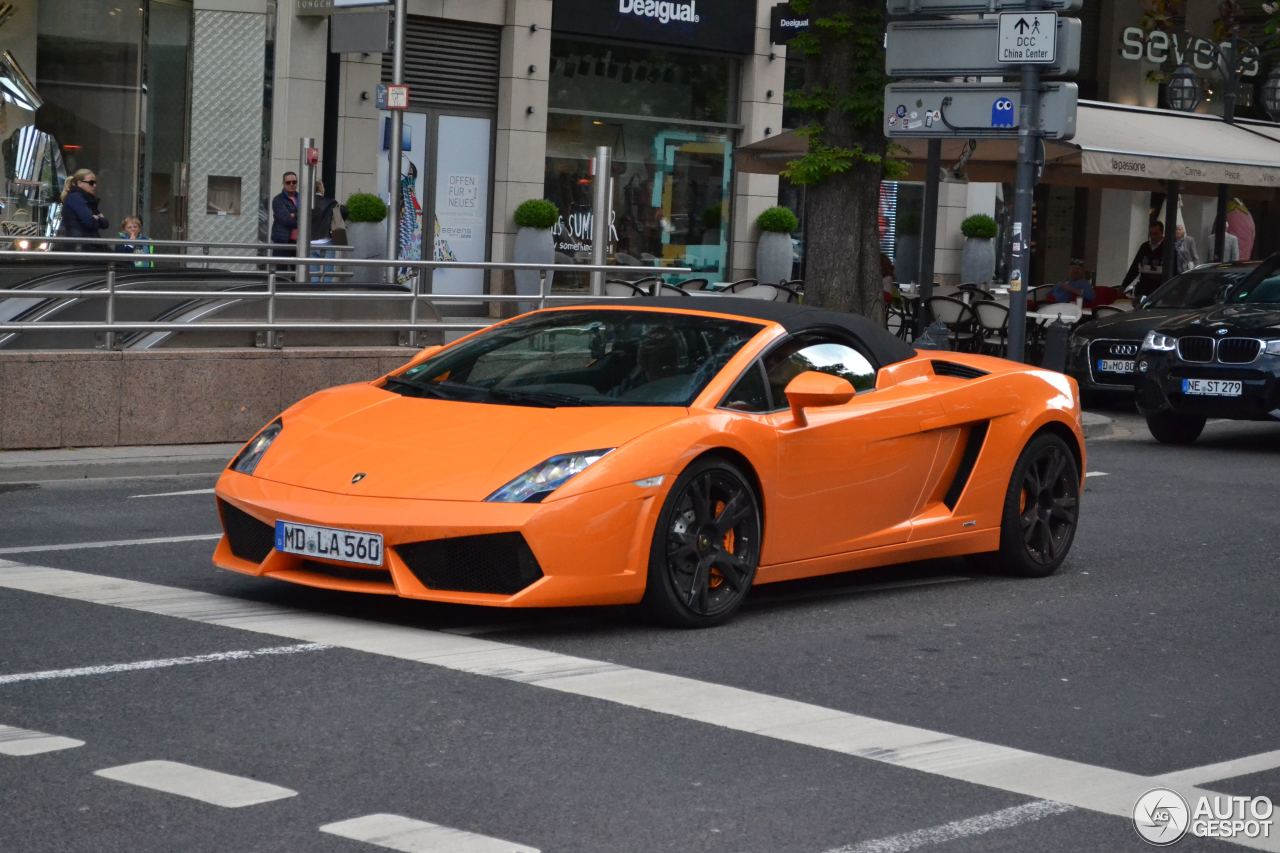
1114,146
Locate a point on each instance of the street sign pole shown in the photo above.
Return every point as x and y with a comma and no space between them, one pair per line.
396,147
1023,199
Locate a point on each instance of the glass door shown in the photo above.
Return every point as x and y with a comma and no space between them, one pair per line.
168,119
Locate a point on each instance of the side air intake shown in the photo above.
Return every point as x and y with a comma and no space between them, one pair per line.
959,371
968,458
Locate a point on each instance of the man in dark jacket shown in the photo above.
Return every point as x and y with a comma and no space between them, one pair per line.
1148,263
284,216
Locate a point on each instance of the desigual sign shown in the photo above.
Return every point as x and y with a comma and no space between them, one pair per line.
1160,47
704,24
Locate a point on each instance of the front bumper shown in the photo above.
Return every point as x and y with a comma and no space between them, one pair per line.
588,549
1159,388
1084,366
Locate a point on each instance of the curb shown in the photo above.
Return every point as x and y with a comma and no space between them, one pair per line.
1095,425
27,466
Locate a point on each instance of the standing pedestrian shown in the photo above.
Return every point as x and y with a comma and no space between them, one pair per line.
1148,263
133,241
80,215
1185,249
323,212
284,217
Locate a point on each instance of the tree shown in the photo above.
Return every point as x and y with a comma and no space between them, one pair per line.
843,98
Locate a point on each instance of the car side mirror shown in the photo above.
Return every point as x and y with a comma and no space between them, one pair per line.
812,389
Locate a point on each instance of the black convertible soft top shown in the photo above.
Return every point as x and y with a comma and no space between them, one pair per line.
884,347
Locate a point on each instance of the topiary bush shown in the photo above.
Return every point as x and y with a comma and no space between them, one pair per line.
536,213
979,225
365,207
779,220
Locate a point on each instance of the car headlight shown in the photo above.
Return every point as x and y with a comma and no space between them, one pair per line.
545,477
1158,342
252,454
1273,347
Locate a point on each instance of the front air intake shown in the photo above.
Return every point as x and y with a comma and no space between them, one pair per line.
249,538
498,563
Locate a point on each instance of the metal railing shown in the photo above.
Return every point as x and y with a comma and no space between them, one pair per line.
272,294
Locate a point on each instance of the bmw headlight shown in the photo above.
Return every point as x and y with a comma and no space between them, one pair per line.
252,454
1158,342
1273,347
545,477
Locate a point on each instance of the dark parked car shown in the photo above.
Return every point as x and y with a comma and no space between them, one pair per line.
1222,362
1105,351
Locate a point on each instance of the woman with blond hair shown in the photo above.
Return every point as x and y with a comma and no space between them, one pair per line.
80,216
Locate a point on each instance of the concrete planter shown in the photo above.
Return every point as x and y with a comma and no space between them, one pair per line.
977,261
773,257
532,246
368,239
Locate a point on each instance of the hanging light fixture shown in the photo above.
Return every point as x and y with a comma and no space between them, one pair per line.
1184,89
1271,94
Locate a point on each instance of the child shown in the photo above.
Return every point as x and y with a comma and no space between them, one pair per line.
133,240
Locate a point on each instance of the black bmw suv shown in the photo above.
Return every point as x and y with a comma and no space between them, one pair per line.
1222,362
1104,351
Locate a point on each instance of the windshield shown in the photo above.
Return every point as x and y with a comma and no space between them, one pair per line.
582,358
1200,288
1262,285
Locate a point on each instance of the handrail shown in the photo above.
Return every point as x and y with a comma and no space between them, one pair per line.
272,292
117,241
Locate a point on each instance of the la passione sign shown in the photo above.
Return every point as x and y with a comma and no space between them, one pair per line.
705,24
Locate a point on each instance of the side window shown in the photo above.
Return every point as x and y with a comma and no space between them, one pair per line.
837,359
750,393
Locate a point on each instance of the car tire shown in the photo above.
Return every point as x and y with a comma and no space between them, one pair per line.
1175,428
705,547
1041,510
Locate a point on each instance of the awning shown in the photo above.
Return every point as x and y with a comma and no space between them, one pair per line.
1115,146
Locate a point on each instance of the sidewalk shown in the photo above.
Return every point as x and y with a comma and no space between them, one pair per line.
26,466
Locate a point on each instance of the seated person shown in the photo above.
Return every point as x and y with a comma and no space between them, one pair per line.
1074,287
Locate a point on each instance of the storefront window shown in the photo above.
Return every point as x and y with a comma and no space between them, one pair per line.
672,166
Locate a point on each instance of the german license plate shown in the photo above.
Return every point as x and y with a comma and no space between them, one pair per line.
349,546
1115,365
1213,387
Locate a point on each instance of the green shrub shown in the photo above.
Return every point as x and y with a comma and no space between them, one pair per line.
779,220
536,213
365,207
979,225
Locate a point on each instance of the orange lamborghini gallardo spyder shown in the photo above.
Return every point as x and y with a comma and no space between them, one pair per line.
669,452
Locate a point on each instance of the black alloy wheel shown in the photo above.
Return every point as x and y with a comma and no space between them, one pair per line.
1041,509
1175,428
706,546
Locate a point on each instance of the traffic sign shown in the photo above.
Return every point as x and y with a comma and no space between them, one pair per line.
956,48
1030,38
391,96
974,7
974,110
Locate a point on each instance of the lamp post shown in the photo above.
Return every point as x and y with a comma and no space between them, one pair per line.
1184,89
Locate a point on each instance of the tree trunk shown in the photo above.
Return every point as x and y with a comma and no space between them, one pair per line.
842,251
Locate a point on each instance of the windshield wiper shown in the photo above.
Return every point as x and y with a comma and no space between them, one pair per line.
547,399
413,389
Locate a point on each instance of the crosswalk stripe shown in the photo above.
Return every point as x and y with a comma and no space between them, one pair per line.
196,783
957,829
417,836
113,543
16,741
1042,777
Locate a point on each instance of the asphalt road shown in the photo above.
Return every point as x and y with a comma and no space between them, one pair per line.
1151,653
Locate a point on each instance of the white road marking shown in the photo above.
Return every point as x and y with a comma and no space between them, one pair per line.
115,543
196,783
161,663
980,825
174,494
1097,474
16,741
416,836
1259,763
1017,771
